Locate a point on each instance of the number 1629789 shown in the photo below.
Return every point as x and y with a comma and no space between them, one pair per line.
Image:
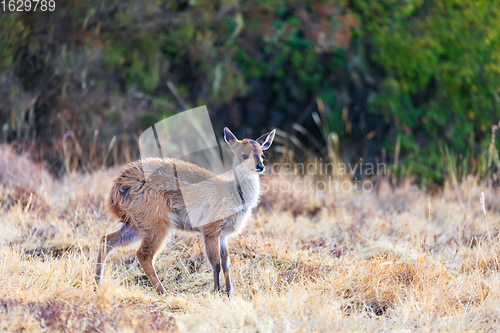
27,5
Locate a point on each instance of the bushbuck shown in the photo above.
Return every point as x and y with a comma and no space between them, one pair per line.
149,197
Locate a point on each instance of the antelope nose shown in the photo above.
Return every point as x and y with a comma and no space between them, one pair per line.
260,167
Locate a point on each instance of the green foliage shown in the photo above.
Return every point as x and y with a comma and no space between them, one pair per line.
12,33
442,82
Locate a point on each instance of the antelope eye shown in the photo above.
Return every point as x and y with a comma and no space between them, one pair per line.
245,156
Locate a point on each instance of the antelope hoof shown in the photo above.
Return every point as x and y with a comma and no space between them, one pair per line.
160,290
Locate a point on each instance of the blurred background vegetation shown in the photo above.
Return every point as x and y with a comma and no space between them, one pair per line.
413,83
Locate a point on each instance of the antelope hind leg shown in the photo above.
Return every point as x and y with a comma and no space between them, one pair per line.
151,244
125,236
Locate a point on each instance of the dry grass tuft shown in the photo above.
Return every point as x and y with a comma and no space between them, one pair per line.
380,284
19,169
61,316
25,196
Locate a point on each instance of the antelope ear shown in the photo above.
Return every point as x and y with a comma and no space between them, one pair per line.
266,140
229,137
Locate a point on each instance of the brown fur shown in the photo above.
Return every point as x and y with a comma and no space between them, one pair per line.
149,198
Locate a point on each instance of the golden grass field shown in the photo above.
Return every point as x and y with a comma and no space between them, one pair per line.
391,259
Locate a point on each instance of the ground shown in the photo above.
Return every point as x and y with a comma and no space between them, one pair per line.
391,258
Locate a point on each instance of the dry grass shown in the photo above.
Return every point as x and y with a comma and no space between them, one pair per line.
306,262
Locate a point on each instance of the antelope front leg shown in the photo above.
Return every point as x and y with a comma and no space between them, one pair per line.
213,254
225,265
